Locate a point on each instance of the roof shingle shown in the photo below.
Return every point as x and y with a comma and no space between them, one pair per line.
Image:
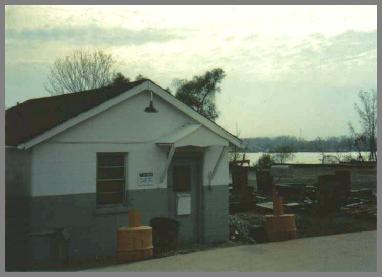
35,116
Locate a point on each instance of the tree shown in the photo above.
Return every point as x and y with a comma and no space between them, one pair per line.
140,77
265,161
199,93
358,141
235,155
367,112
319,146
79,71
283,153
120,79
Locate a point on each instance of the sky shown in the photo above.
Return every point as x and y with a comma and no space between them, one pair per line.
290,70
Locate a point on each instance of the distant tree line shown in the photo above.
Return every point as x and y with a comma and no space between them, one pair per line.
330,144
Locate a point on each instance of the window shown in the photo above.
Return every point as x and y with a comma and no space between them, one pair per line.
110,178
181,179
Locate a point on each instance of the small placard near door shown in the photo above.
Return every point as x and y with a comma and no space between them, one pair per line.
183,203
145,178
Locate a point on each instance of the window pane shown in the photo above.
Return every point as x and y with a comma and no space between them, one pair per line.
110,198
182,178
110,186
112,159
111,173
110,178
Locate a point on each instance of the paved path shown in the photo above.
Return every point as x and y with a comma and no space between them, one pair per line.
345,252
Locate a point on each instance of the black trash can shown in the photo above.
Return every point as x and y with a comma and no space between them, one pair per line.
165,235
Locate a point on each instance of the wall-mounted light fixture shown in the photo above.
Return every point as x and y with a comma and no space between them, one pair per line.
150,108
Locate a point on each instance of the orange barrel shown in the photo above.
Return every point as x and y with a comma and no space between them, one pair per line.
282,227
134,218
134,243
278,208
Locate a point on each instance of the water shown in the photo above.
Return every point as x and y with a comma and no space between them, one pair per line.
308,157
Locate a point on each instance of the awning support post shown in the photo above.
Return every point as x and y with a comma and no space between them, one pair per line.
169,158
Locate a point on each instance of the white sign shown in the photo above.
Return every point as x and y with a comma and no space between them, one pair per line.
183,204
146,178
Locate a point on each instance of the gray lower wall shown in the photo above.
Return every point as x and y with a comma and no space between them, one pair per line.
150,202
216,212
17,191
16,232
93,231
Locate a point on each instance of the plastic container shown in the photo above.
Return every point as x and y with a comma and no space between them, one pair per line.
165,234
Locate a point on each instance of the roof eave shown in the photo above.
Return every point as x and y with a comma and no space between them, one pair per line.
146,85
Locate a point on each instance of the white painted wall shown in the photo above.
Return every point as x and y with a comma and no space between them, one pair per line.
66,164
211,156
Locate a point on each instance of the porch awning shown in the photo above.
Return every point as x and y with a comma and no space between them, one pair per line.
191,135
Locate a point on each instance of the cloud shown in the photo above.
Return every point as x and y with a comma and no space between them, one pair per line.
287,67
282,59
91,35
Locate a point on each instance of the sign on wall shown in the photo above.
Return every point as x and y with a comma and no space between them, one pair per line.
146,178
183,204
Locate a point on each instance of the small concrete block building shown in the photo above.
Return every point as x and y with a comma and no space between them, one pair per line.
76,163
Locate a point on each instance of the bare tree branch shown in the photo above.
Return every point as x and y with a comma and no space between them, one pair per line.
367,111
79,71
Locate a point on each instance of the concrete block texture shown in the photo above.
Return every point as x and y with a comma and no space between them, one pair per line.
92,231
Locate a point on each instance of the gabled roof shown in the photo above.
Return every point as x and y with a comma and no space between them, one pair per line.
35,116
36,120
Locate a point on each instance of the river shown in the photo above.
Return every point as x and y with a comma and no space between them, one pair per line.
308,157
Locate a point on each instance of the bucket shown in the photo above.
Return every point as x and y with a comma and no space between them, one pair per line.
279,228
134,243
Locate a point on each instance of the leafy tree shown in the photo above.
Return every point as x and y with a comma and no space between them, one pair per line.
140,77
120,79
199,92
79,71
367,112
283,153
265,161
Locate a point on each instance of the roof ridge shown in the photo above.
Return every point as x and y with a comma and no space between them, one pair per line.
111,86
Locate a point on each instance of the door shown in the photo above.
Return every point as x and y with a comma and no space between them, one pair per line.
184,188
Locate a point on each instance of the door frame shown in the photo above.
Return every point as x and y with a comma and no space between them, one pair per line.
197,158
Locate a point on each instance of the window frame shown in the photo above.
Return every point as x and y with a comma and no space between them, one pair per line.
122,203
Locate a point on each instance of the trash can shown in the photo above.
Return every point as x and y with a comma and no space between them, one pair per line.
165,234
